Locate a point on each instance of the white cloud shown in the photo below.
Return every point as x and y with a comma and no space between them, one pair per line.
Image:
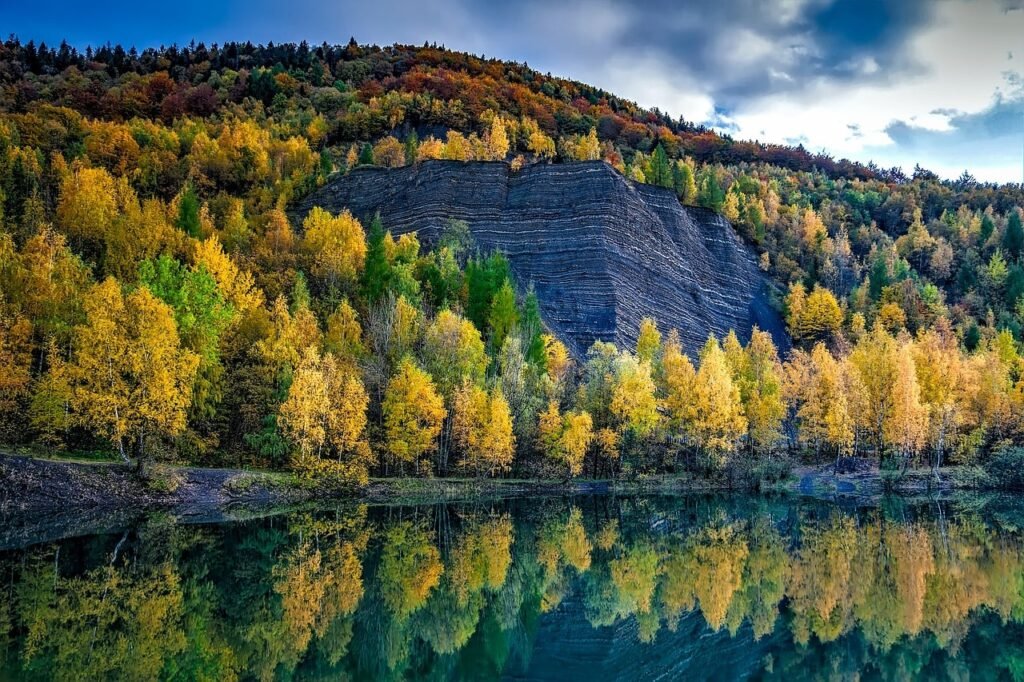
649,80
963,67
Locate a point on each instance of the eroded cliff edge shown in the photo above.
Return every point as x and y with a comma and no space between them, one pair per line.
601,251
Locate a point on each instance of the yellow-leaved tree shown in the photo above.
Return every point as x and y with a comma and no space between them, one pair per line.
344,336
874,359
325,414
482,429
336,245
824,415
680,379
389,152
556,360
759,375
88,205
497,139
430,148
906,426
567,438
812,317
456,148
15,358
945,379
413,413
130,378
237,286
303,415
633,403
583,147
718,412
577,434
289,336
648,341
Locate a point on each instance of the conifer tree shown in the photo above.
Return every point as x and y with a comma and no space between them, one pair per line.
661,171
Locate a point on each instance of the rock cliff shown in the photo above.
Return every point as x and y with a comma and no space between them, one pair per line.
601,251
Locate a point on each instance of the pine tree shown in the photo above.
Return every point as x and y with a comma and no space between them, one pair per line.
710,194
661,172
366,155
1013,237
377,273
503,317
188,212
412,146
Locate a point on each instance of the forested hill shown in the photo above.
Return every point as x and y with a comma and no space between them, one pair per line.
928,246
155,297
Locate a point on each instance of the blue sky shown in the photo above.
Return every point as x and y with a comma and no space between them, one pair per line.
935,82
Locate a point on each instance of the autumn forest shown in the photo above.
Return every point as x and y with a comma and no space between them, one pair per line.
159,302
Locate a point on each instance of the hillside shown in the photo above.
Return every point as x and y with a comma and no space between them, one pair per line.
164,293
601,252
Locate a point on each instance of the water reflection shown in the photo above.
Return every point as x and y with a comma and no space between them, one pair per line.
593,588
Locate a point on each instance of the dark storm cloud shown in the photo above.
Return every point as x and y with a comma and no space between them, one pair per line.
789,43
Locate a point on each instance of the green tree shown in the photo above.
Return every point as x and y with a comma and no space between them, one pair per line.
504,316
661,171
366,155
684,183
188,212
202,316
710,195
484,278
533,331
377,273
1013,237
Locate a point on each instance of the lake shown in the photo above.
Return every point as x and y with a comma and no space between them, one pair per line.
586,588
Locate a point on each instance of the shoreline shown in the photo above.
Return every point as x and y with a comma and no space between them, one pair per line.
44,499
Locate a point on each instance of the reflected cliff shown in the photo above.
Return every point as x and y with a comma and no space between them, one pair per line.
586,588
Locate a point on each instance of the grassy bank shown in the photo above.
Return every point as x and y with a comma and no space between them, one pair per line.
33,483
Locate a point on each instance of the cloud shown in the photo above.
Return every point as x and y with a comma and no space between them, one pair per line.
851,77
957,66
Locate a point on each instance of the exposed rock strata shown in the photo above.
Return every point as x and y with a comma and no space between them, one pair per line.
602,252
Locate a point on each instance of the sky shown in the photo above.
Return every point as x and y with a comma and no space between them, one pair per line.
938,83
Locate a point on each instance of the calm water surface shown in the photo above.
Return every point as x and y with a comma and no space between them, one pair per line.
591,588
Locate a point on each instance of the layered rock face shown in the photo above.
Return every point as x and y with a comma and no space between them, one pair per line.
601,251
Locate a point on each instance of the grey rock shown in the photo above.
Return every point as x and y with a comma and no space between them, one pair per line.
601,251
